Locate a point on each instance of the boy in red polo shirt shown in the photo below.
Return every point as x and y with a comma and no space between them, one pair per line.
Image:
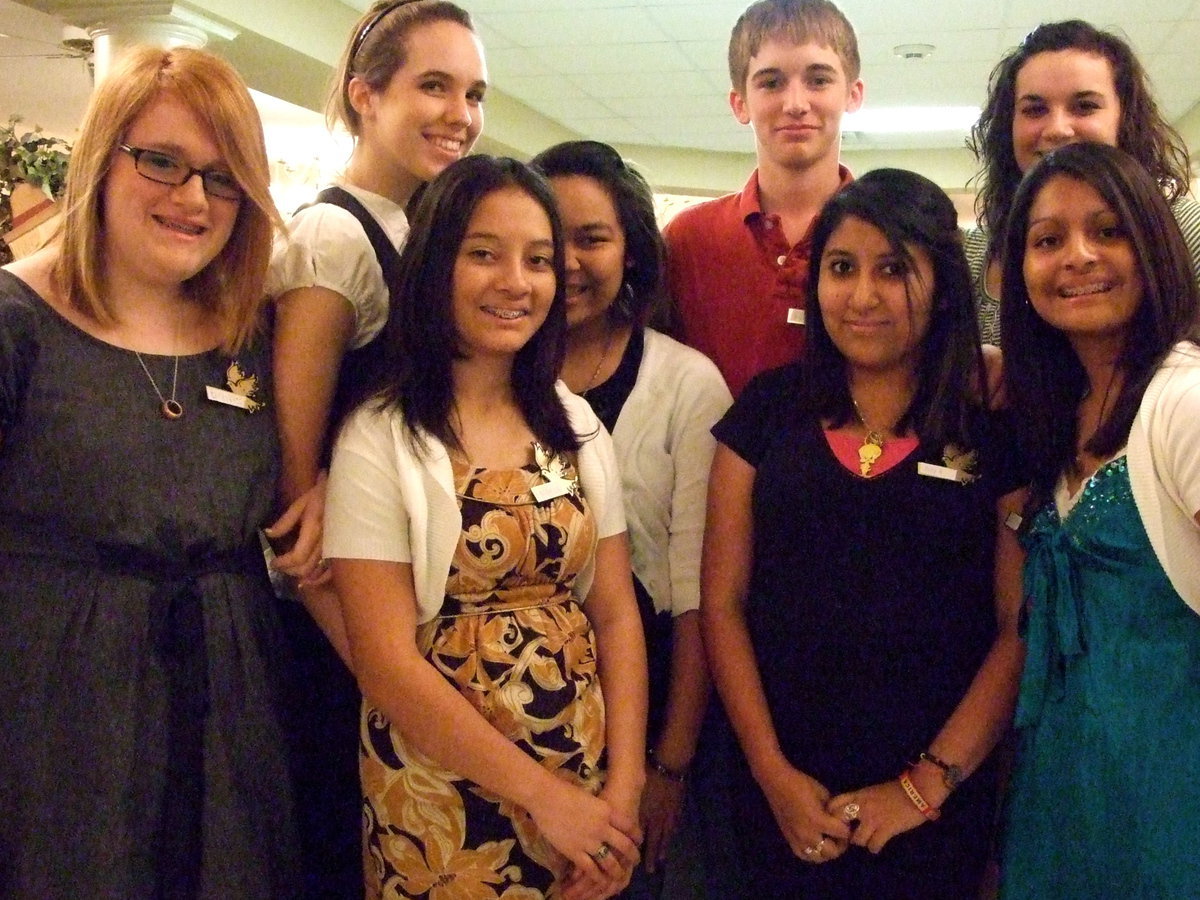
737,266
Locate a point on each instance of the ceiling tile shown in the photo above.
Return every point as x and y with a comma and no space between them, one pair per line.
587,60
578,26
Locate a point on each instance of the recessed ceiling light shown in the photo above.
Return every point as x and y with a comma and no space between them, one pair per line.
914,51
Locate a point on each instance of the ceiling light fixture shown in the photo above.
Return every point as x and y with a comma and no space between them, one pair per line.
914,51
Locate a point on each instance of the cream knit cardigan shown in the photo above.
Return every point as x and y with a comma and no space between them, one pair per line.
1164,468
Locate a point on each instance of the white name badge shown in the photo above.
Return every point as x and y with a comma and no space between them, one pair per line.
944,472
229,398
557,487
795,316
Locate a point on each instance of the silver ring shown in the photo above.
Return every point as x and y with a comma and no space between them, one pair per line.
820,845
602,853
850,811
809,851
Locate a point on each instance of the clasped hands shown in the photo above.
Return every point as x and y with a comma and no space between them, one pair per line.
598,835
819,827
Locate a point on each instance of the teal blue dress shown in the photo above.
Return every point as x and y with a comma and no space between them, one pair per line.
1105,795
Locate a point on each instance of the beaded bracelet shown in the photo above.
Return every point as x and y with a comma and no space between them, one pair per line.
670,774
952,775
929,812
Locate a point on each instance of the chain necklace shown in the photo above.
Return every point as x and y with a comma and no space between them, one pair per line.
171,408
608,342
872,445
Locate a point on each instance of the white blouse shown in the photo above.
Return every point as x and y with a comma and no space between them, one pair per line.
326,247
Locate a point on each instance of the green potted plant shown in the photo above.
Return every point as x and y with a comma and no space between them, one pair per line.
28,158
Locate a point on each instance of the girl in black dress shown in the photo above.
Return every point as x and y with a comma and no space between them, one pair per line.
864,653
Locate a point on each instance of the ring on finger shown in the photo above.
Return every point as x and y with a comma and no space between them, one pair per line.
602,853
820,845
850,812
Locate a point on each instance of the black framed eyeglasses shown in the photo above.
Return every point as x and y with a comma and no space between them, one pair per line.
166,169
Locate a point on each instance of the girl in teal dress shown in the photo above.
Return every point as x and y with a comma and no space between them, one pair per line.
1103,372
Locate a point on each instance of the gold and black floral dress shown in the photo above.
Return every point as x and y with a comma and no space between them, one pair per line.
516,643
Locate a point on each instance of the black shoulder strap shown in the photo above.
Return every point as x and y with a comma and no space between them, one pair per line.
359,366
385,252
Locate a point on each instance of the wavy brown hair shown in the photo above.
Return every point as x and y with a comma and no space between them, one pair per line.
1143,132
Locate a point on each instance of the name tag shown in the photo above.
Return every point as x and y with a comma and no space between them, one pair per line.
944,472
229,398
795,316
557,487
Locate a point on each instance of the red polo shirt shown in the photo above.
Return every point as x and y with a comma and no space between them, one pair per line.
735,279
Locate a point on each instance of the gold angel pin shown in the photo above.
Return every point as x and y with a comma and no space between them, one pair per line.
553,468
242,390
962,461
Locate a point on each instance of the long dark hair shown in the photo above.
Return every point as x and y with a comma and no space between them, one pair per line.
1044,378
908,209
642,297
1143,133
419,340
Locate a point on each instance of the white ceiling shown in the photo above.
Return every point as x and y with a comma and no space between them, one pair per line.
637,73
653,72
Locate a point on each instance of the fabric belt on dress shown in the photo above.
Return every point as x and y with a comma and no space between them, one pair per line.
176,630
483,608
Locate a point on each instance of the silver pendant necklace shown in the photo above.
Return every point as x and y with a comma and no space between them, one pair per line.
171,408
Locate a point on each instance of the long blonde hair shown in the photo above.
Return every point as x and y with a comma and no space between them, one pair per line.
231,285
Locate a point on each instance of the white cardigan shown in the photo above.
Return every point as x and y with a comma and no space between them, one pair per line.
665,447
384,502
1164,468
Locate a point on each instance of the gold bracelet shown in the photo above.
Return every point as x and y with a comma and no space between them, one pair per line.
929,812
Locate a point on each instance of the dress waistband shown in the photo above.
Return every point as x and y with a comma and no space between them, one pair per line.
467,608
175,626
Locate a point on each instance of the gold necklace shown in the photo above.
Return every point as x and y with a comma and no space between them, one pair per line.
608,342
872,445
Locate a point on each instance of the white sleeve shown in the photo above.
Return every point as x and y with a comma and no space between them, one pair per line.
612,514
365,513
326,247
701,401
1178,425
598,470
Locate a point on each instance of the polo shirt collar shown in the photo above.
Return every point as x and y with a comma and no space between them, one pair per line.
748,204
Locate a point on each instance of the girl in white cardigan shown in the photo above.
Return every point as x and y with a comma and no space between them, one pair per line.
477,540
659,399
